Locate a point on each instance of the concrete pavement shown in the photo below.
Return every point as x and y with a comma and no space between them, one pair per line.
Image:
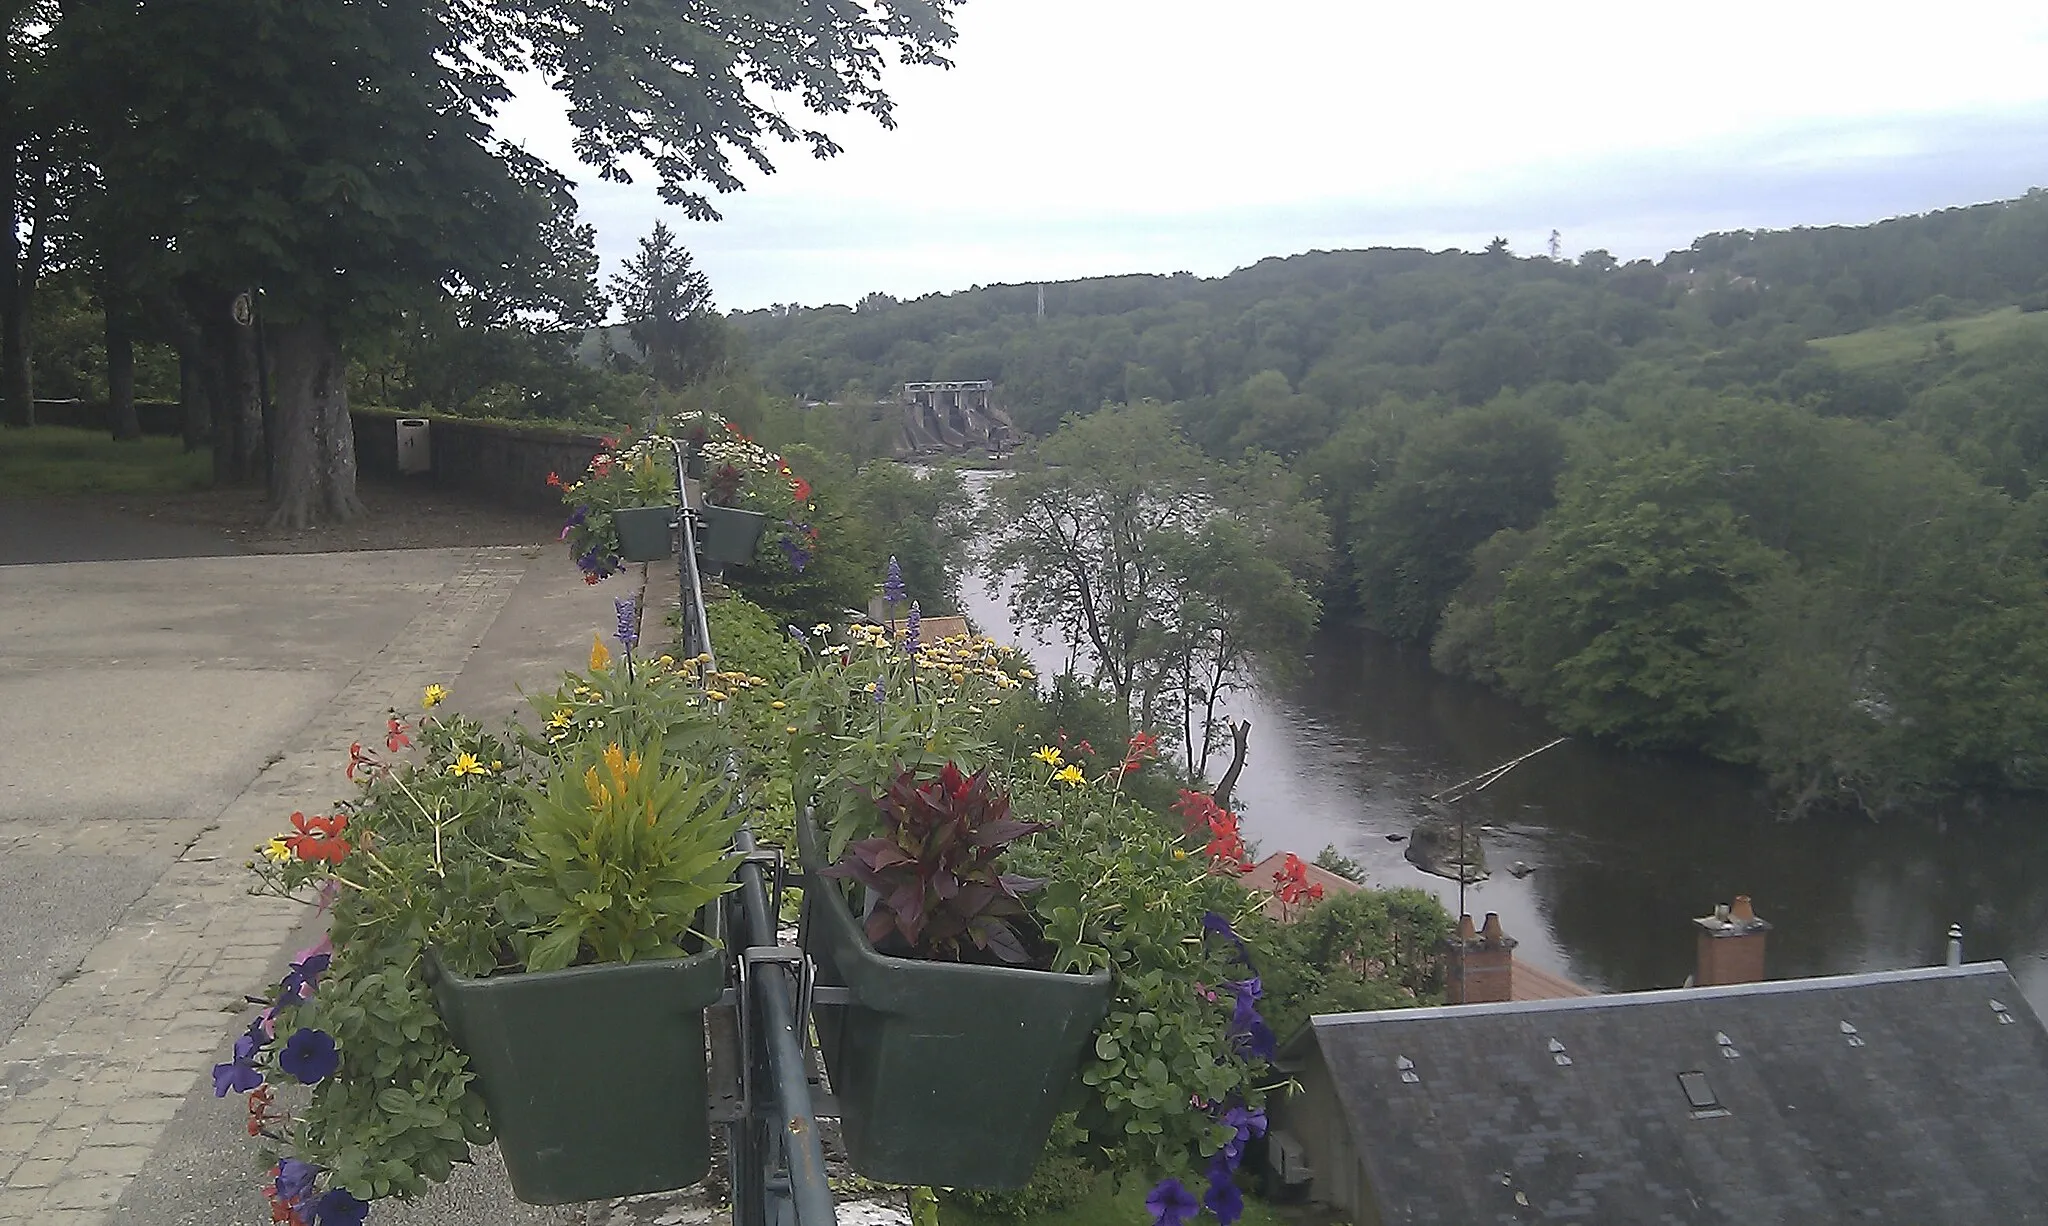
158,718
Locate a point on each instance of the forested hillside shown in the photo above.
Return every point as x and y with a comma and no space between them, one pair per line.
1772,497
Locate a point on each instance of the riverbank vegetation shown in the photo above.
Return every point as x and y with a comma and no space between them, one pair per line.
1773,498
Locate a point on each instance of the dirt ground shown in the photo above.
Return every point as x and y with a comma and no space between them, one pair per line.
400,516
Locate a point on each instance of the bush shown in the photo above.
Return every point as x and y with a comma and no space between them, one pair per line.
749,640
1375,949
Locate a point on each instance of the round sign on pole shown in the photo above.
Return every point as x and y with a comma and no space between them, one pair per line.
244,310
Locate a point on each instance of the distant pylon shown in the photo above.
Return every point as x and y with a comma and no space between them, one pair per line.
1556,243
1041,302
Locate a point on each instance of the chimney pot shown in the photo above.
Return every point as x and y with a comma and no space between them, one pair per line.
1731,945
1481,965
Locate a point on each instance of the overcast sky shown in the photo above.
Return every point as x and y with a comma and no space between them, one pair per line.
1087,137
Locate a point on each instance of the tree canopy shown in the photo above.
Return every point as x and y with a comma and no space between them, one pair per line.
337,164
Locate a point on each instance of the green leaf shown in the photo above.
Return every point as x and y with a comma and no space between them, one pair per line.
555,950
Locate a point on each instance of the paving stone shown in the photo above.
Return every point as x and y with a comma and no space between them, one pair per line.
118,1160
36,1173
15,1139
88,1191
58,1143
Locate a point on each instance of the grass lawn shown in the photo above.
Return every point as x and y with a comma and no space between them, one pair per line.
53,460
1904,344
1104,1209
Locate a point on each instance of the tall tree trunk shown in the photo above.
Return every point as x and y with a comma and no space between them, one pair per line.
17,380
121,417
1240,734
313,454
194,415
227,371
17,385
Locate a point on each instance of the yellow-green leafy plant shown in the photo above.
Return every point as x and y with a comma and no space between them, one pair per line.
619,855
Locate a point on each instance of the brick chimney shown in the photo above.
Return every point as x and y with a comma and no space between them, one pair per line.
1480,968
1731,945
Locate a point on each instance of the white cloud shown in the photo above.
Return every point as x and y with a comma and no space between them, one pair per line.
1098,136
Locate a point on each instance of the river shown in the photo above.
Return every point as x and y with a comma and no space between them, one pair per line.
1625,848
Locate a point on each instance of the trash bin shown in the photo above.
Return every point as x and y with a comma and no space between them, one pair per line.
414,456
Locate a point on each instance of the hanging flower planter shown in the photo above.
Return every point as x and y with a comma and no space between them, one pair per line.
728,536
948,1074
594,1075
644,533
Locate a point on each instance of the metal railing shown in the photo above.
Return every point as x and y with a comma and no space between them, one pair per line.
775,1158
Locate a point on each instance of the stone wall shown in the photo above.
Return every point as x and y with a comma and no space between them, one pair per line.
156,416
506,464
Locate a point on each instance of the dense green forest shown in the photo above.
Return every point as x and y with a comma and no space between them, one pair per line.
1773,497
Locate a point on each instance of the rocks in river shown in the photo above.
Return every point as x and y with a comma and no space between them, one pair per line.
1520,869
1436,849
1397,838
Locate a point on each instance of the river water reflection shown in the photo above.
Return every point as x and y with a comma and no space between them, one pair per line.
1626,848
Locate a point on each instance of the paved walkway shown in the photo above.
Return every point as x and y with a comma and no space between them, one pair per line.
160,717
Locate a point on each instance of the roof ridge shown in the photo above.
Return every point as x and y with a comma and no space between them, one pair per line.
1768,987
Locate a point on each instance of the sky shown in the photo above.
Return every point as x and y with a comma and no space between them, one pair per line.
1081,138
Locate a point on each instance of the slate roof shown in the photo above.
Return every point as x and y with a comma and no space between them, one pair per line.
1898,1097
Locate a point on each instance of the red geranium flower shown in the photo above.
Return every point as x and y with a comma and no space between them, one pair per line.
394,735
318,838
554,481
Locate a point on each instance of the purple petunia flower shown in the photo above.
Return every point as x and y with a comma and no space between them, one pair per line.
802,640
1224,1200
1215,924
340,1207
1248,1031
1249,1122
1171,1203
304,976
799,557
881,692
628,632
575,521
235,1076
912,628
309,1055
294,1181
892,588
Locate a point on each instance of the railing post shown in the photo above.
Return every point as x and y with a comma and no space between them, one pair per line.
774,1154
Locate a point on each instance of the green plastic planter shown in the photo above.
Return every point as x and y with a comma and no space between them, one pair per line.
594,1075
947,1075
727,536
644,533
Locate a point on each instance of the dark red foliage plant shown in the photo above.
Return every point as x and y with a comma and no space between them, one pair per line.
939,891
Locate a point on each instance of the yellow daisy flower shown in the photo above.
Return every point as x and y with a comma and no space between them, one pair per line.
1048,755
277,851
433,696
1070,775
466,764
